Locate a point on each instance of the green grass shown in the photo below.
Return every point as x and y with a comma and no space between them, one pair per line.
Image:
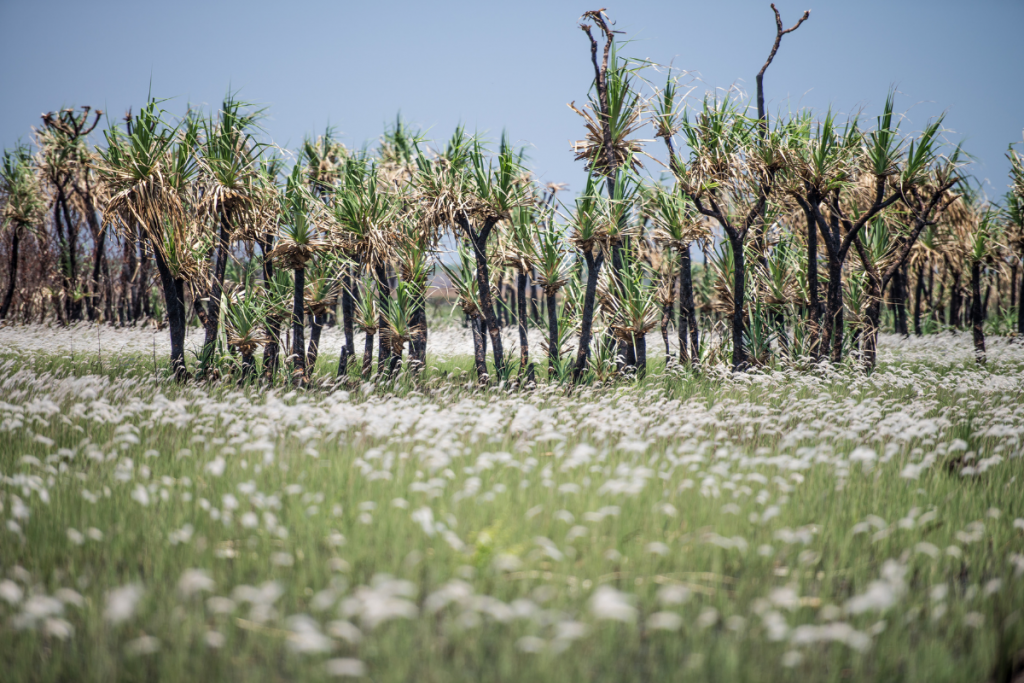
748,482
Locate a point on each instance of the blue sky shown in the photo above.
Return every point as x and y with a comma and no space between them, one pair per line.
514,66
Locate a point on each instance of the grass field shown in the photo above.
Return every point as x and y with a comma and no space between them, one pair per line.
788,524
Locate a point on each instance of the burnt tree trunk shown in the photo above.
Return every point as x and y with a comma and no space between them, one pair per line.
834,310
739,352
212,322
918,293
688,333
12,273
552,332
640,343
666,321
977,317
813,300
479,348
587,319
347,311
524,342
367,357
298,357
383,298
272,349
174,301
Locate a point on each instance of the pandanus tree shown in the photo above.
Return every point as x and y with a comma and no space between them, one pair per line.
516,250
321,296
23,208
613,113
364,216
244,316
367,318
629,305
471,192
231,187
730,177
553,263
64,166
462,276
148,171
677,226
300,238
981,247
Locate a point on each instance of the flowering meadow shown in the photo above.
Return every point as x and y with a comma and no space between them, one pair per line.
822,523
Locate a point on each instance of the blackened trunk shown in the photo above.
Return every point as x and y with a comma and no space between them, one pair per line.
552,332
918,293
625,354
1013,286
977,319
834,310
640,344
687,315
587,319
900,301
383,299
174,302
534,298
272,349
486,300
212,323
739,352
479,348
367,356
347,311
955,300
666,321
869,344
314,342
12,273
524,343
298,357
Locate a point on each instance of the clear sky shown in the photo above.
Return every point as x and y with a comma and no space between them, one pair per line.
512,65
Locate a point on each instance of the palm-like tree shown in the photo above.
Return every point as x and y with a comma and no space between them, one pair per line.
677,226
982,244
23,209
321,296
244,322
147,171
228,156
629,303
367,318
299,240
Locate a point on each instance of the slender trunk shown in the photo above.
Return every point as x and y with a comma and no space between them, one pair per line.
666,320
479,348
552,332
272,349
869,346
95,287
534,297
524,343
625,354
12,273
739,352
1013,286
813,303
347,314
142,286
955,300
383,297
174,302
212,323
487,301
587,319
939,307
640,343
299,329
687,314
367,356
74,307
900,301
833,337
977,319
918,292
313,349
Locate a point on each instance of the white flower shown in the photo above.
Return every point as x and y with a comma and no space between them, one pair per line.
608,603
343,666
193,581
121,603
664,621
214,640
10,591
146,645
141,495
